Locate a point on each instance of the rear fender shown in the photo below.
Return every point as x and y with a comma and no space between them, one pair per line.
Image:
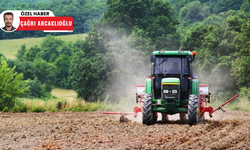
148,86
195,87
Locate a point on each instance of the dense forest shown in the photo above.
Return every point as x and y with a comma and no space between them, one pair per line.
115,55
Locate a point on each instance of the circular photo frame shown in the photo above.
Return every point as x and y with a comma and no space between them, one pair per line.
15,22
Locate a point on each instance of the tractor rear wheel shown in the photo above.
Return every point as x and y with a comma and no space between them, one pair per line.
192,110
147,118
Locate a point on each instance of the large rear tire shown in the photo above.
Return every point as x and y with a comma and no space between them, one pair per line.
193,116
147,117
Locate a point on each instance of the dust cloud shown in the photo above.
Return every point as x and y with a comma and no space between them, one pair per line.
131,66
138,119
218,78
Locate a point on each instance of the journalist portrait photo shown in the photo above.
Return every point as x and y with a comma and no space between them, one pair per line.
8,18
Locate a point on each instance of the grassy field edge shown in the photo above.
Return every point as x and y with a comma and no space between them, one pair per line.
10,47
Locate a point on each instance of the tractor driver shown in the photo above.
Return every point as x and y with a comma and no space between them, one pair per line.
174,69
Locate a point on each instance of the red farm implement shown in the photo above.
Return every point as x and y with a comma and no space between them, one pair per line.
204,98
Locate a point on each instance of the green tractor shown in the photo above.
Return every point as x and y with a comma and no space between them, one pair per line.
172,88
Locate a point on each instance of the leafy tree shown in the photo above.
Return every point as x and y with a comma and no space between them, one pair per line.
193,12
67,50
240,63
45,72
36,89
89,72
50,48
153,17
2,56
63,63
195,37
26,68
21,52
245,6
161,26
214,45
212,19
30,55
225,5
9,85
177,5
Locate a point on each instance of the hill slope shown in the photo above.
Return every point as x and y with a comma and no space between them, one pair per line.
10,47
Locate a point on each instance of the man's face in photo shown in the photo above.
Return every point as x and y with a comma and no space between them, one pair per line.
8,20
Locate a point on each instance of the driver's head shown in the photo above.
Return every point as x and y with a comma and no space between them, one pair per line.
8,19
175,65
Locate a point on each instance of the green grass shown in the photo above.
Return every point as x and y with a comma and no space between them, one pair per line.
63,93
10,47
53,105
65,101
242,104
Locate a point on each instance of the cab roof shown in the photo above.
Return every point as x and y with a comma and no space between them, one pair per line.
172,53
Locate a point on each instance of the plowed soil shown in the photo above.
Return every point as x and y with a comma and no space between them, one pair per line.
93,130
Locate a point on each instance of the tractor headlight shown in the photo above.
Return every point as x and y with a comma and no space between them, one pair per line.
165,91
174,91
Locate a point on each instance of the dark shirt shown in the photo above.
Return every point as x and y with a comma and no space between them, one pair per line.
12,29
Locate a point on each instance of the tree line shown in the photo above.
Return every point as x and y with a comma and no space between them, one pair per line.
115,55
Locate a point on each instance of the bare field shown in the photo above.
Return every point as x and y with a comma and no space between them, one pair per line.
93,130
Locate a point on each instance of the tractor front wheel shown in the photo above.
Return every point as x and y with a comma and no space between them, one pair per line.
146,109
192,110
